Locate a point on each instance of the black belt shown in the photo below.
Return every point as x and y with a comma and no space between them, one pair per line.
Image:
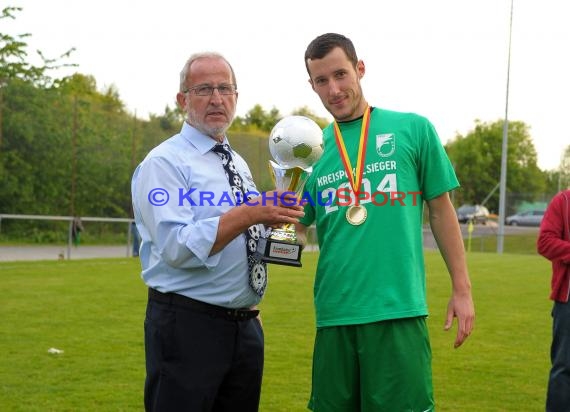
213,310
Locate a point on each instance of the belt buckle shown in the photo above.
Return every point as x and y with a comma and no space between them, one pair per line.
239,314
233,313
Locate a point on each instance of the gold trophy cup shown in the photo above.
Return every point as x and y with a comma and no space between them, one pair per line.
296,143
281,245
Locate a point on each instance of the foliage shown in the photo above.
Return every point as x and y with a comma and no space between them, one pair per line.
63,148
13,54
476,158
100,329
22,150
564,170
305,111
258,120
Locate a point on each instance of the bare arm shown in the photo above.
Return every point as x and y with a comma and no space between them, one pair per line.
238,219
445,228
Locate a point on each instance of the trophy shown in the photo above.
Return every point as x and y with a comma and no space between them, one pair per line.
296,143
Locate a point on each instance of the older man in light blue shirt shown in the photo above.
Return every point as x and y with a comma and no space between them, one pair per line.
178,227
203,342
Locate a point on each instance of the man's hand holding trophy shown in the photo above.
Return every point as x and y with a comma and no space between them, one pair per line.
295,143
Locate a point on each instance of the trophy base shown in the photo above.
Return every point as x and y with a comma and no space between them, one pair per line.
280,253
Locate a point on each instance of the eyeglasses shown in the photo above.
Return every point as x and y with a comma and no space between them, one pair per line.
205,90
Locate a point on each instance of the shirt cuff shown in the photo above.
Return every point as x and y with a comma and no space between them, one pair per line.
200,243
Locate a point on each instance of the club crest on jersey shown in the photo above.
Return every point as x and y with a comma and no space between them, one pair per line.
385,144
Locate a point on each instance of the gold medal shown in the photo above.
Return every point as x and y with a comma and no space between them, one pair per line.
356,215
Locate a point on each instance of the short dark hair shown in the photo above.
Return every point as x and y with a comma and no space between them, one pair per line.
323,44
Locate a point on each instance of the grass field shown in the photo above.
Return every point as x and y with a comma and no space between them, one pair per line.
521,243
93,310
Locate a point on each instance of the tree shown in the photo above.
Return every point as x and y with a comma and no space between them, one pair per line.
34,155
13,62
259,119
476,158
564,170
305,111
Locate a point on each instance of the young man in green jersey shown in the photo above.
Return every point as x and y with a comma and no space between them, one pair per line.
372,350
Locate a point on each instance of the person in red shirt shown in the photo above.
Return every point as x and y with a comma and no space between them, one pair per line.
554,244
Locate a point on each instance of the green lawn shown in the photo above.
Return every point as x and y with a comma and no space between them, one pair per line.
521,243
93,310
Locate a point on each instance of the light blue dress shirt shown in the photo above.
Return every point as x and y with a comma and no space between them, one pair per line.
179,192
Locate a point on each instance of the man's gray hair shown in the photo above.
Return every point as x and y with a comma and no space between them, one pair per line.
201,55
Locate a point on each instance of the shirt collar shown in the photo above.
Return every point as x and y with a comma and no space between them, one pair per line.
198,139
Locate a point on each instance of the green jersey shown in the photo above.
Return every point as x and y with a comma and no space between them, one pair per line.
375,271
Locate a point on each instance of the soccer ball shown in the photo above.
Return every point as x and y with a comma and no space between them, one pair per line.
296,141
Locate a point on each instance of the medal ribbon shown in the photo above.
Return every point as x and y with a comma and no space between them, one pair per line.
355,181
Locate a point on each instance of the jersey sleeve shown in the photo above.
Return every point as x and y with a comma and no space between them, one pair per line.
436,173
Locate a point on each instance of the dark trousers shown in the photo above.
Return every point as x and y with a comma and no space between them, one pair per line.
199,360
558,397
